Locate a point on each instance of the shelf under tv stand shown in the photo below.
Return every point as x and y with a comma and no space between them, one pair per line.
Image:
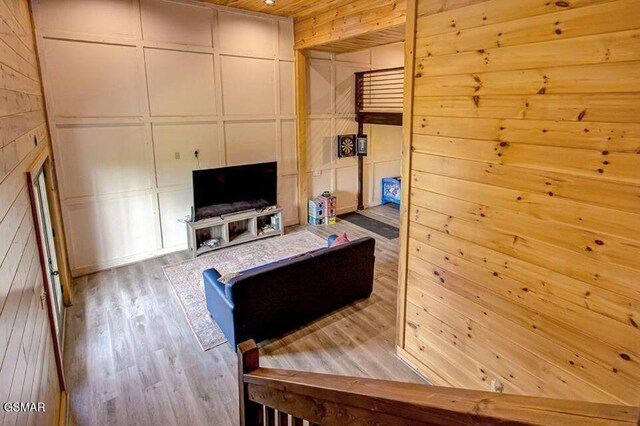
232,229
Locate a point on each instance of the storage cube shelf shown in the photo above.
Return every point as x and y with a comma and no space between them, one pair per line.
233,229
317,207
322,210
241,230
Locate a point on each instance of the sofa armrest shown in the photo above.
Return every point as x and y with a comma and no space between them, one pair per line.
218,305
212,276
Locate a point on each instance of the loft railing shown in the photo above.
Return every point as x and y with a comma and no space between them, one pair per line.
298,398
379,95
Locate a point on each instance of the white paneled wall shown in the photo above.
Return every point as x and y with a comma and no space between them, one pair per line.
331,109
136,88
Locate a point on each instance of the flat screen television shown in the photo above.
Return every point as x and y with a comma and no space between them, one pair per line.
232,189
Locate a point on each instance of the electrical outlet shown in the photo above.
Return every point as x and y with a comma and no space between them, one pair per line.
177,155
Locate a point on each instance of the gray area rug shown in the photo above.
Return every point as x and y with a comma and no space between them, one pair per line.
186,277
383,229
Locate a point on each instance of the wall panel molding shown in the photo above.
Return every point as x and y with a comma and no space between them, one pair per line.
169,96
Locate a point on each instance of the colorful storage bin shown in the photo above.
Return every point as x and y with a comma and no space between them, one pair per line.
322,210
317,207
391,190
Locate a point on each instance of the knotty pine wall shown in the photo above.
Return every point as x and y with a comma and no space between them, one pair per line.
331,112
349,19
524,205
134,88
27,362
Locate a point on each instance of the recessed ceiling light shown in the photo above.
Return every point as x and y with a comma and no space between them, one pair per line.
270,2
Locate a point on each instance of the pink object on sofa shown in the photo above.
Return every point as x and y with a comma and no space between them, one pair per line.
342,239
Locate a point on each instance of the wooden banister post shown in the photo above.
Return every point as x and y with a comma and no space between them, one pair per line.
248,360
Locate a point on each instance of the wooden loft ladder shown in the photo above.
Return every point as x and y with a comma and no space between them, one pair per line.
379,95
324,399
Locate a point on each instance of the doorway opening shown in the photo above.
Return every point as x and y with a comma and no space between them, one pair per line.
55,292
53,286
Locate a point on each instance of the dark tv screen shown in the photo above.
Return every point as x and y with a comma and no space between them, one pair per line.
232,189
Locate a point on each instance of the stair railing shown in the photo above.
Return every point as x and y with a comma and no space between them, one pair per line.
273,397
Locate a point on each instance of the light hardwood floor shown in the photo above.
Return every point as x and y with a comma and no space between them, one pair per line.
131,358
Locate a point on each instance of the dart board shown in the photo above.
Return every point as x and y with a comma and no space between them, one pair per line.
346,146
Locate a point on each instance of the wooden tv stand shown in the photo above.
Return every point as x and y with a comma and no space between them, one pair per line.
233,229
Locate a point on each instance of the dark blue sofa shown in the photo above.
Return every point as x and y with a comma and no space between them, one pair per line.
270,300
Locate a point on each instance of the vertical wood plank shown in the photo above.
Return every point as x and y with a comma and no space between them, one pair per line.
301,132
407,126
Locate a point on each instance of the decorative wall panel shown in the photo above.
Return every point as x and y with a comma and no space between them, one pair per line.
169,22
175,147
89,153
180,83
248,86
172,86
93,80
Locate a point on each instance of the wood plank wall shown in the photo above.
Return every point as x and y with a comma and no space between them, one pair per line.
28,369
350,19
523,238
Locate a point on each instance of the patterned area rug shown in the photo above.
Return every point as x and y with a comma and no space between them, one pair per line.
186,277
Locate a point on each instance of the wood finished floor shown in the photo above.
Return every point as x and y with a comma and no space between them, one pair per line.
131,359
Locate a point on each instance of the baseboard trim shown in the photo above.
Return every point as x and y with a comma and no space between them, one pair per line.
115,263
432,377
